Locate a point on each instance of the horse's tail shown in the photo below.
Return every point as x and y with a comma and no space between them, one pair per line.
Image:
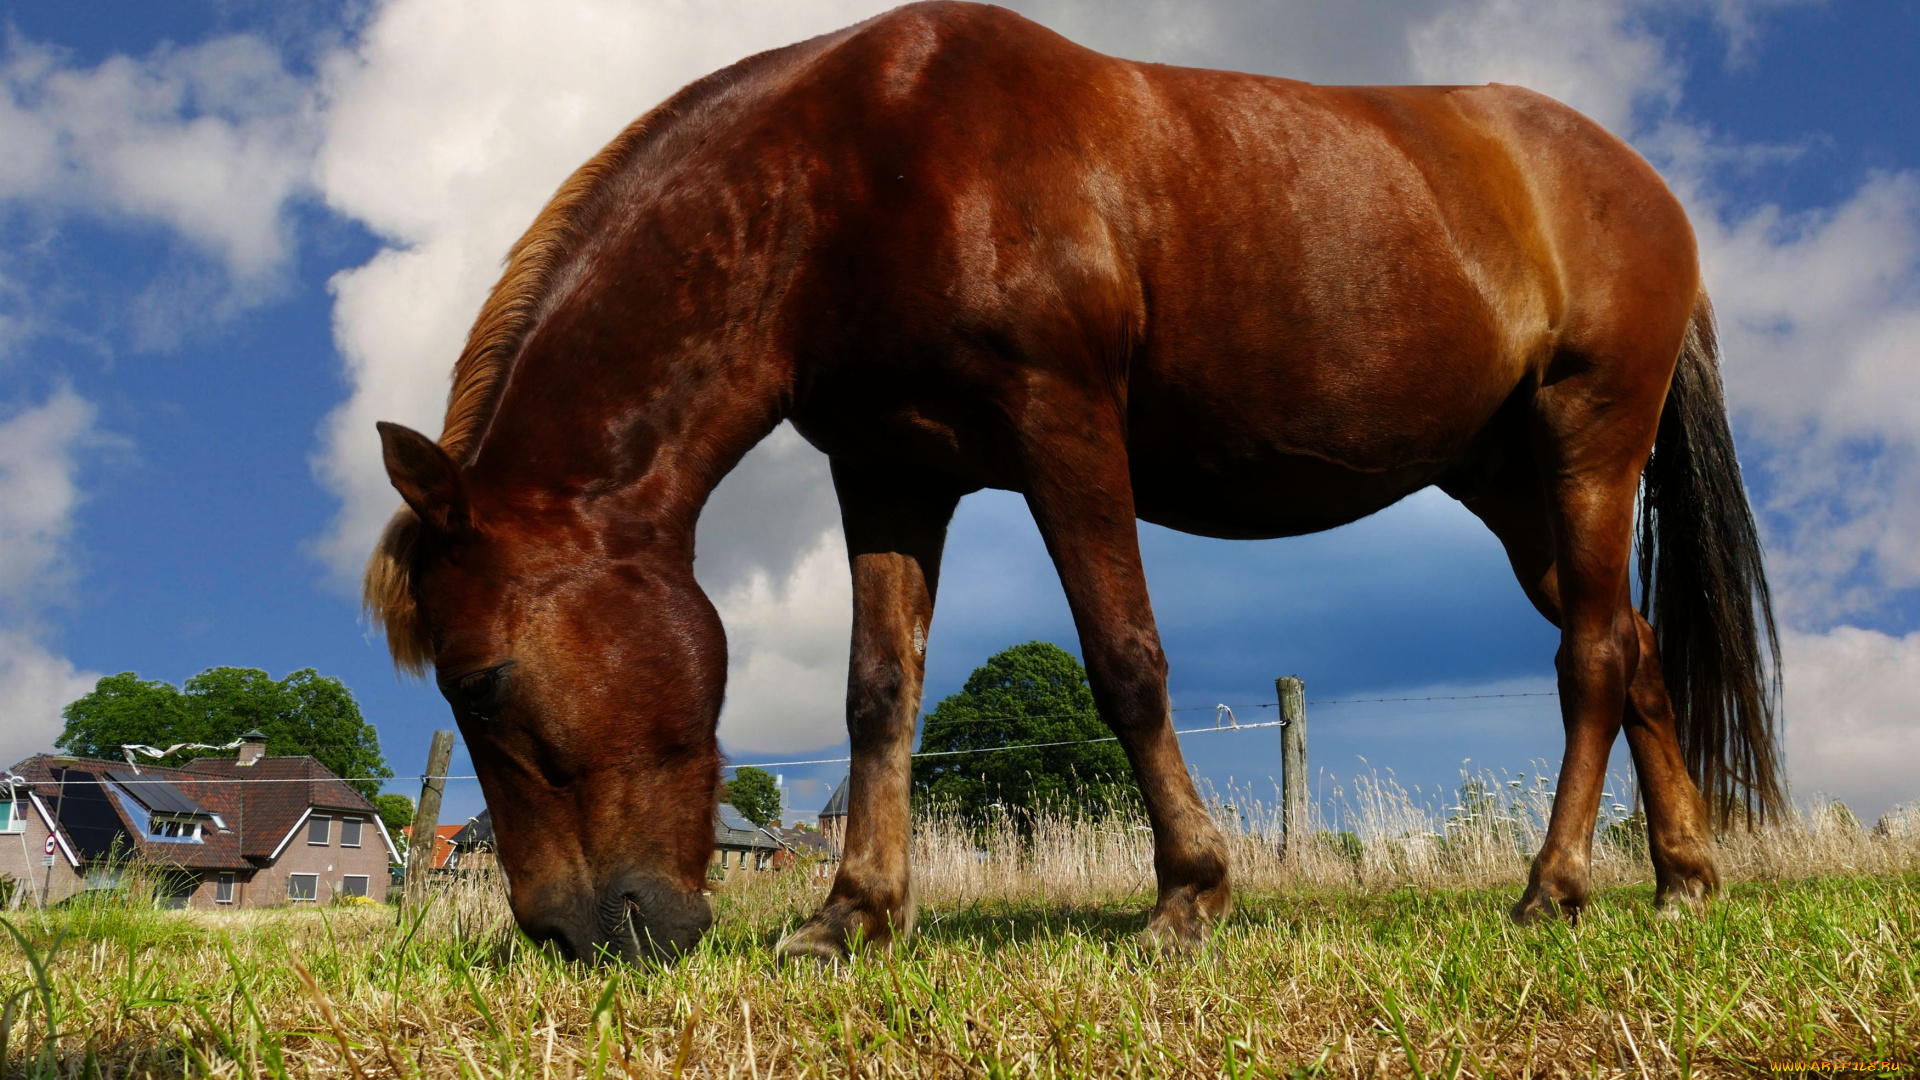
1704,589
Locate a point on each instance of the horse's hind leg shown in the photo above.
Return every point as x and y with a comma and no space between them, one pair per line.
1520,514
1677,827
1081,495
1516,507
896,527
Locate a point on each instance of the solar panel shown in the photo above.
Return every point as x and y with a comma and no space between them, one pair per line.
87,816
158,796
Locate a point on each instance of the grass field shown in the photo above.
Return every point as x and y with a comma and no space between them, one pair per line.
1029,969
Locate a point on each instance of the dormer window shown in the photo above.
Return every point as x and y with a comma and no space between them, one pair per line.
158,810
174,828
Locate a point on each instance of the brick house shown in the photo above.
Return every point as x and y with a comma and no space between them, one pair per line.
740,846
246,831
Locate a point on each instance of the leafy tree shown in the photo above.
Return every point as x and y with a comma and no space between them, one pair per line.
396,811
754,794
304,713
1032,693
124,708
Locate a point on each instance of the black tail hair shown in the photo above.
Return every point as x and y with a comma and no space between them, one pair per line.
1704,589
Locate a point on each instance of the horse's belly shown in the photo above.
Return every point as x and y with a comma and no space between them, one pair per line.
1287,497
1268,491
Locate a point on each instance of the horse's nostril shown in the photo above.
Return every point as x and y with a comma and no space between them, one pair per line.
550,936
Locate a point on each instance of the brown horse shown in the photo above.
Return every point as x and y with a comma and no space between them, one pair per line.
957,251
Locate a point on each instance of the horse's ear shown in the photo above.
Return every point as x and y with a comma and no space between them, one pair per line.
425,476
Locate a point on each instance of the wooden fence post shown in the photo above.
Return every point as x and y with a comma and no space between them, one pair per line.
1293,765
426,816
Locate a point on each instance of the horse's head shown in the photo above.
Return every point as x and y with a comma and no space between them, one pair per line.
585,668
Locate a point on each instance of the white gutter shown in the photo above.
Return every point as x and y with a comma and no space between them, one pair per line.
53,830
393,853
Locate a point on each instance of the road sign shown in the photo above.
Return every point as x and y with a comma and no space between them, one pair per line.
49,845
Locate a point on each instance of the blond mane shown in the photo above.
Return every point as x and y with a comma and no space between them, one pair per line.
479,377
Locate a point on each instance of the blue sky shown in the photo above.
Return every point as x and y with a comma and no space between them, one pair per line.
233,234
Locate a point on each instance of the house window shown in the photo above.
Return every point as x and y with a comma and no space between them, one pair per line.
350,832
353,885
317,826
303,886
13,816
223,889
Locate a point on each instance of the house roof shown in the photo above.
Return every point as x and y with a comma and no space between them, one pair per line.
443,845
732,829
476,832
99,804
806,840
837,802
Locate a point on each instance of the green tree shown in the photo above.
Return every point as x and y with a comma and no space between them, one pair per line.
754,794
1029,694
397,812
124,708
304,713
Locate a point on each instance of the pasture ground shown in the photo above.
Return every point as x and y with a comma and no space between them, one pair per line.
1307,980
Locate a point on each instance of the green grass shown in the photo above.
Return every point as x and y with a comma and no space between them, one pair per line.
1312,982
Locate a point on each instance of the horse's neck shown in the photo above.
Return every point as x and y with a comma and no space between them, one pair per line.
648,437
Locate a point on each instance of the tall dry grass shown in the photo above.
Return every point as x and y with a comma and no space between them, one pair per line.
1376,835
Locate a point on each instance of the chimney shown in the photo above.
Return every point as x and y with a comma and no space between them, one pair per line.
253,746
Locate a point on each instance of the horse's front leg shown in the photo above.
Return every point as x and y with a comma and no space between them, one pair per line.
896,526
1081,494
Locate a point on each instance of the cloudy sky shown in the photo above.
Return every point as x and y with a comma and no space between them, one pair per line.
235,234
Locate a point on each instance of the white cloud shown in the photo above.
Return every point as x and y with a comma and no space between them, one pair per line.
787,643
1853,716
211,141
38,495
1820,319
37,499
1591,55
34,685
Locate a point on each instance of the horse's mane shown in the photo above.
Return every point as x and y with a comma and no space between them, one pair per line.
480,375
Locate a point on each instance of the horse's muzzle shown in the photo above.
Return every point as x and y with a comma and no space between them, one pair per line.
642,918
651,919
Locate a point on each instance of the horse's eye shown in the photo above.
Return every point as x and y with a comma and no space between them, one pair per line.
480,693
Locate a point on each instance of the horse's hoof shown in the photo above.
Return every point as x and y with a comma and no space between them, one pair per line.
1678,898
1169,937
814,942
1181,928
1536,907
1683,885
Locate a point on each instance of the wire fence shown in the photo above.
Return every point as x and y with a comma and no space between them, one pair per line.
1218,726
